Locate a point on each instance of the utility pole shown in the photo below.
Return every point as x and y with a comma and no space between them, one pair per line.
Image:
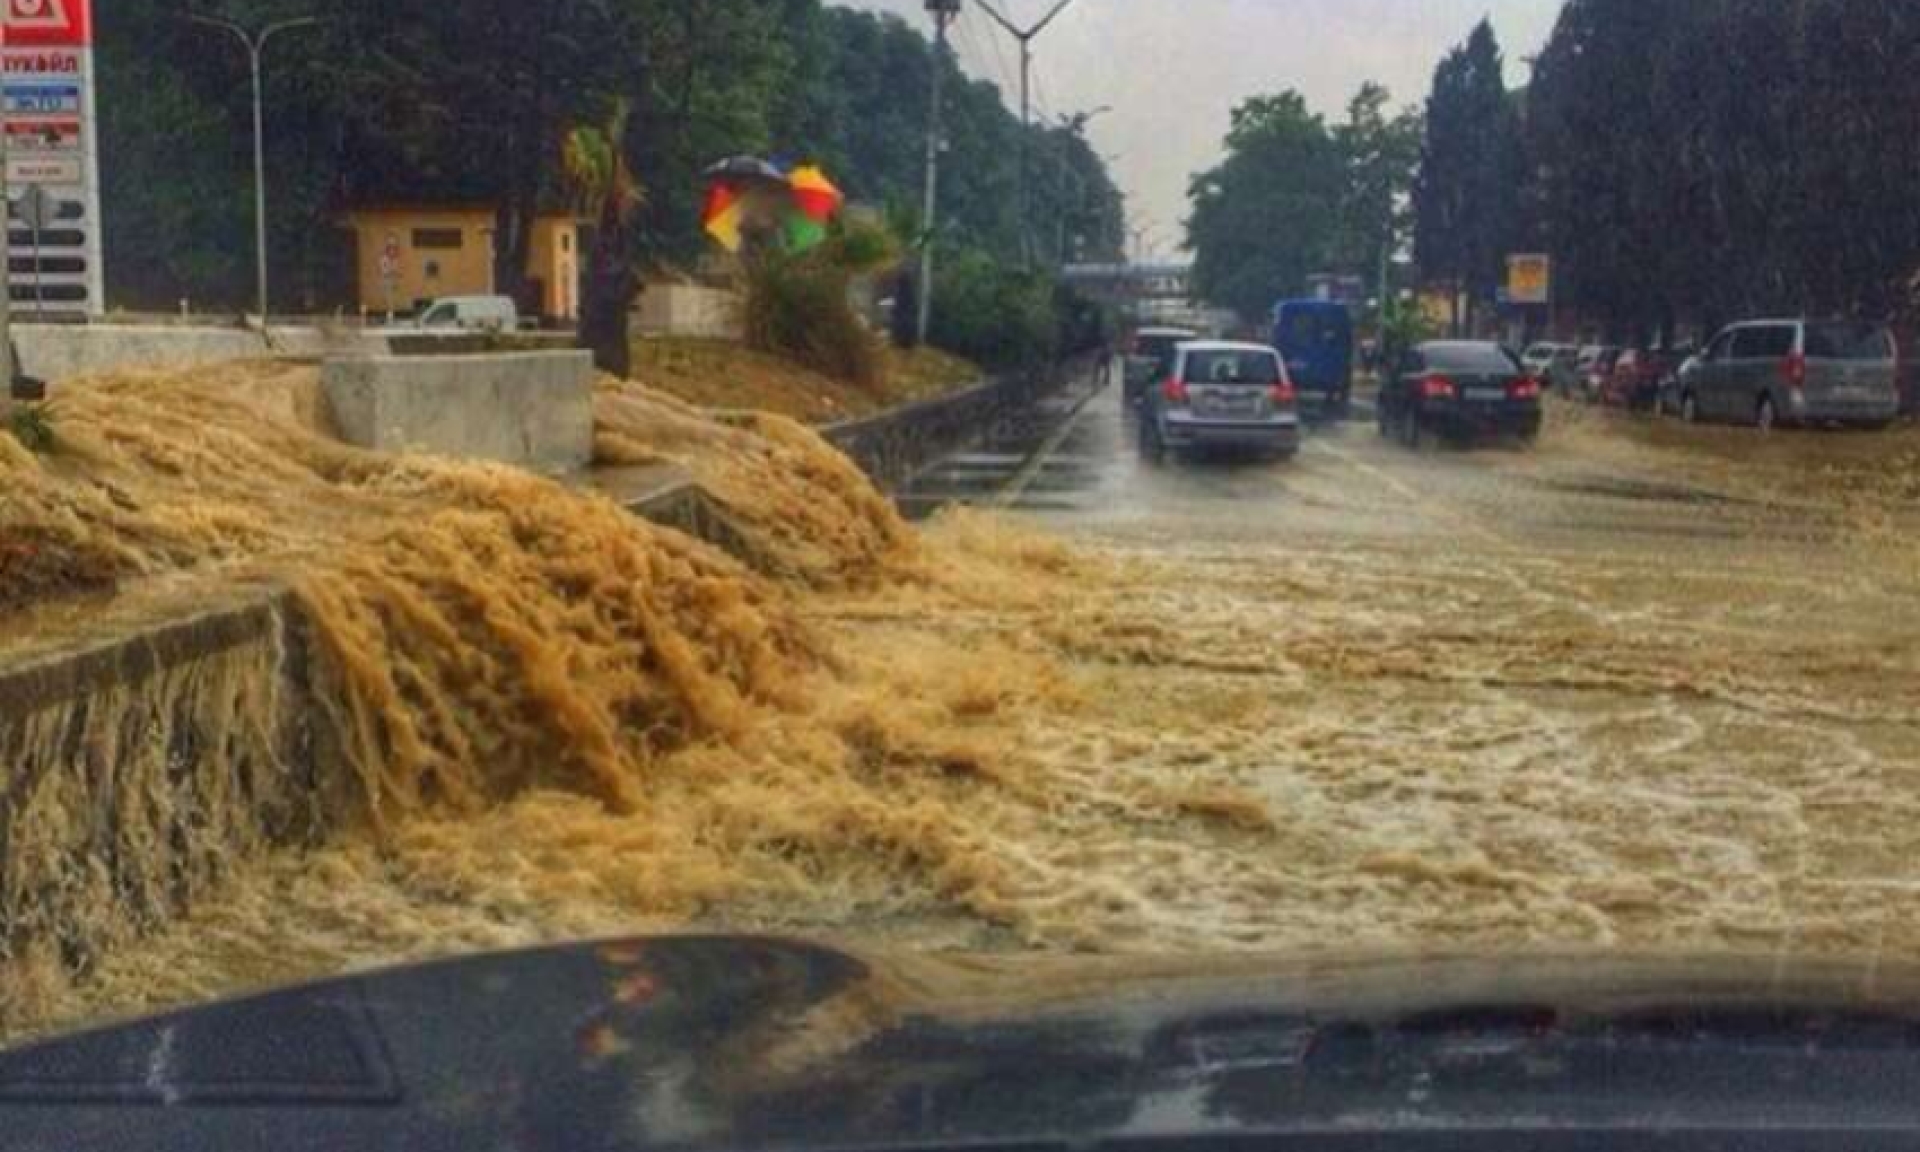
944,12
256,46
1026,37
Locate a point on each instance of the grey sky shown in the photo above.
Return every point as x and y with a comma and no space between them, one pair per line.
1174,69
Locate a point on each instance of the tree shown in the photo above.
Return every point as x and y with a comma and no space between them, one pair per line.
1467,197
1727,157
474,101
1267,216
606,192
1381,154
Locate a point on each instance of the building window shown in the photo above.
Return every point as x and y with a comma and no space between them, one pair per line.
566,241
433,269
439,238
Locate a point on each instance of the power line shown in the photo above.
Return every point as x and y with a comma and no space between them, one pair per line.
1026,36
1008,82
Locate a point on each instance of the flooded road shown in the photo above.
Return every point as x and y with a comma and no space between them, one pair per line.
1641,687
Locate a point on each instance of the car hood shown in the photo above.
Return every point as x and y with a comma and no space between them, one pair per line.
745,1044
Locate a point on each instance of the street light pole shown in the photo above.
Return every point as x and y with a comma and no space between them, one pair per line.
255,44
944,12
1026,37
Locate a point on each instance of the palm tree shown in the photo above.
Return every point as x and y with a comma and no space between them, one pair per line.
604,190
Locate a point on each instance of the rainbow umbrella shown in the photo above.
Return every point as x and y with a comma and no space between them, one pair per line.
746,193
816,202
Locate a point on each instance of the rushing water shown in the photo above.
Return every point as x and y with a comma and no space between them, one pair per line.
1380,714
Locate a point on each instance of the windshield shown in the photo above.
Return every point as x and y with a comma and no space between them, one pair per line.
1309,329
1041,480
1483,359
1869,342
1160,346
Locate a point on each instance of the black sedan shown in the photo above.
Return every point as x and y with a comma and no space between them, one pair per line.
1459,389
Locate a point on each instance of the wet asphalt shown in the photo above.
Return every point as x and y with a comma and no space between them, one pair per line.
1073,466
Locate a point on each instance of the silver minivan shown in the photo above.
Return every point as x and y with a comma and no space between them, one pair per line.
1769,372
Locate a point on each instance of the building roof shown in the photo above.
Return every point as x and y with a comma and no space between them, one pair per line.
404,207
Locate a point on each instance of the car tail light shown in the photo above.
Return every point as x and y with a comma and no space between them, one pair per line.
1794,368
1436,388
1283,393
1174,390
1524,388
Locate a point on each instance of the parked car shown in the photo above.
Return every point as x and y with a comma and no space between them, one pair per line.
1636,378
1315,338
1553,365
1219,394
1771,372
1149,356
1592,368
470,314
1459,389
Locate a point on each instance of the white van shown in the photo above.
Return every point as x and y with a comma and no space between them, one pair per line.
471,314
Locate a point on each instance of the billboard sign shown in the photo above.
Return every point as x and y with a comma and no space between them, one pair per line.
1529,280
52,141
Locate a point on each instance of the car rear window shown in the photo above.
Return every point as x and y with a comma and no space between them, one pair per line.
1848,341
1311,327
1249,367
1160,347
1472,359
1772,342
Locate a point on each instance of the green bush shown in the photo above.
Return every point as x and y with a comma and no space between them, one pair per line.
995,316
797,307
30,426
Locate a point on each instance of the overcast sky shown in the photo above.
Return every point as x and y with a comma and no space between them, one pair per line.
1174,69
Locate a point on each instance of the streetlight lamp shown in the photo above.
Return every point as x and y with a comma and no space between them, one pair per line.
1074,127
1078,121
256,46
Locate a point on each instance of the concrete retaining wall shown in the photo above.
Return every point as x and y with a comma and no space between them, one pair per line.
678,310
56,352
528,408
896,445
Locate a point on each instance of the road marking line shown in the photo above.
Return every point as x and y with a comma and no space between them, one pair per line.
1024,478
1414,496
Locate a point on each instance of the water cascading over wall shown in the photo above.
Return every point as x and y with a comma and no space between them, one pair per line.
135,771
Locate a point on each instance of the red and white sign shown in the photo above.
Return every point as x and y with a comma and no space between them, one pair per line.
50,23
52,138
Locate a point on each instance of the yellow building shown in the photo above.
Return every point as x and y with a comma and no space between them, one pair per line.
409,254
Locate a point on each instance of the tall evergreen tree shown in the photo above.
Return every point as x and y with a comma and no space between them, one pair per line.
1467,197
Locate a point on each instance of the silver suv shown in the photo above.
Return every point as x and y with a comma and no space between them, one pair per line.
1769,372
1222,395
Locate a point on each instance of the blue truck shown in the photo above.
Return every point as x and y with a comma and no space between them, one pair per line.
1315,338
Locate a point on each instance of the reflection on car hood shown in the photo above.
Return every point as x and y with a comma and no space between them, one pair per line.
747,1044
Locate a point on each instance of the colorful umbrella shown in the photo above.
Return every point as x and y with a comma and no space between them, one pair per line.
745,193
724,214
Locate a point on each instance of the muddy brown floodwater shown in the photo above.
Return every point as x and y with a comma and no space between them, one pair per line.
1639,688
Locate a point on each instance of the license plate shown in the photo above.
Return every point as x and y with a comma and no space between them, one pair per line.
1486,394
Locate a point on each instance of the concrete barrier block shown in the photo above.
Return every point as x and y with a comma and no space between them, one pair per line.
59,352
533,409
683,310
